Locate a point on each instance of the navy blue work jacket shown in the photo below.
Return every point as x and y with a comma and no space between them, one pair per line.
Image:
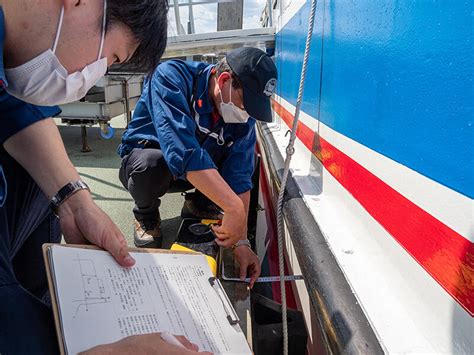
164,117
14,113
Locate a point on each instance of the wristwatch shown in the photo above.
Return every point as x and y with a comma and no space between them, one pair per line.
65,192
241,242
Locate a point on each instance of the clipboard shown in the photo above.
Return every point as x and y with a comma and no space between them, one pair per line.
227,305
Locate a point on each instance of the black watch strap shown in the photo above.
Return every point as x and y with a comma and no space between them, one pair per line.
67,191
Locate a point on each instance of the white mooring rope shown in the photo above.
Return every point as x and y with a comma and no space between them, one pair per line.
289,152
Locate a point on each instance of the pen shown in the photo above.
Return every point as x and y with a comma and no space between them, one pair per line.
171,339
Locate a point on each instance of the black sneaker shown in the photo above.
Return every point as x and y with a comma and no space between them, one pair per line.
147,234
197,206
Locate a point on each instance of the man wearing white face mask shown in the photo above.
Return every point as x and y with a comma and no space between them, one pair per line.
194,126
44,80
52,52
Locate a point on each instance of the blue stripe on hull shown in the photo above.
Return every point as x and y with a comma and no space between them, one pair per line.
397,77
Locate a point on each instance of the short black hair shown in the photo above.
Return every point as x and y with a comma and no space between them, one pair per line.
222,66
148,22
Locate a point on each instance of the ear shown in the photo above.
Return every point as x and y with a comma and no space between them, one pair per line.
70,4
225,76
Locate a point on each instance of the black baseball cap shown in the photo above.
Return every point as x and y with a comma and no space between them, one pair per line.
258,74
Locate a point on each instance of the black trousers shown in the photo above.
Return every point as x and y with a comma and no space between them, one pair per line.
145,174
26,222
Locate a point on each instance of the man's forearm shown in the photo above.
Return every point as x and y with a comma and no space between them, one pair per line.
40,150
213,186
245,197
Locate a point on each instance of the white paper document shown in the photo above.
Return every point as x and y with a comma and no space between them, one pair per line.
100,302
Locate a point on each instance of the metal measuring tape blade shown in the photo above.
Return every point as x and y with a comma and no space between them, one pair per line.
265,278
261,279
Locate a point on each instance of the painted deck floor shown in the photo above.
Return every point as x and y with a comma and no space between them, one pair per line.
99,168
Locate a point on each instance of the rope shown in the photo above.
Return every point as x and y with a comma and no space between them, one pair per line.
289,152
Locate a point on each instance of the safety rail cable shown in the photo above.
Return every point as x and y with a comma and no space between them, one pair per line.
289,152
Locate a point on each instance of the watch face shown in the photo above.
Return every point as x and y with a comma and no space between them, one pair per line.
66,191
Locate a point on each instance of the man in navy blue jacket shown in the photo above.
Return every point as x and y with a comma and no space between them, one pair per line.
194,126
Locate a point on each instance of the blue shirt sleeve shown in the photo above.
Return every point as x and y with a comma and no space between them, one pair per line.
171,116
238,167
16,114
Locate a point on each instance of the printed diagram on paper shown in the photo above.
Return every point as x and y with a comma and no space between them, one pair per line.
95,291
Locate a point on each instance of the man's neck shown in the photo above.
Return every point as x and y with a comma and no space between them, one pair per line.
26,23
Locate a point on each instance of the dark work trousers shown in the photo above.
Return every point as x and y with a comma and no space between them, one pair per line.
145,174
26,222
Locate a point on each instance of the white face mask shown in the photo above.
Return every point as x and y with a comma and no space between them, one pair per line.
231,113
44,81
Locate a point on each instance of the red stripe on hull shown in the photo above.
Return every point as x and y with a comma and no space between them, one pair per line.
271,239
445,254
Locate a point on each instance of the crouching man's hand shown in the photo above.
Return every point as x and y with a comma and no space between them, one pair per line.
248,262
233,227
